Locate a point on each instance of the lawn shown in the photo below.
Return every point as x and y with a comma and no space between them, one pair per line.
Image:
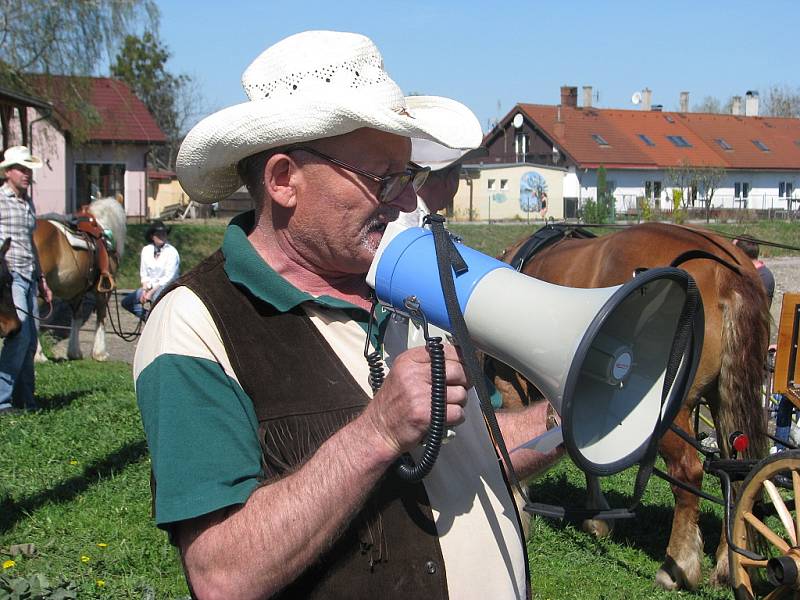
196,241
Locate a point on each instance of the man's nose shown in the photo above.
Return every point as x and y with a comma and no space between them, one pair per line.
406,201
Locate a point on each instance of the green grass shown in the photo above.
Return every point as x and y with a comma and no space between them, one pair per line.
76,475
196,241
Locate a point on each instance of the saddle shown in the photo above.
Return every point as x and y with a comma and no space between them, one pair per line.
544,237
87,226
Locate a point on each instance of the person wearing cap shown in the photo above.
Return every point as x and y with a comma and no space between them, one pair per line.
160,265
272,458
17,221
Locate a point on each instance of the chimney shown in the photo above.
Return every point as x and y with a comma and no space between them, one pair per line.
559,125
657,107
736,105
569,96
647,98
751,104
587,96
684,102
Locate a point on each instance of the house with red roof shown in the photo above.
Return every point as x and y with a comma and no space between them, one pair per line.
645,151
94,136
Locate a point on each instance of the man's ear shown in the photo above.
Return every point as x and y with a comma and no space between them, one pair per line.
279,180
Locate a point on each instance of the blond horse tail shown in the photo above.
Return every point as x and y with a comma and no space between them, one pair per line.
745,336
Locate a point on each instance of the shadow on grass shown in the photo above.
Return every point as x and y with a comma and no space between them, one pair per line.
13,511
59,401
648,531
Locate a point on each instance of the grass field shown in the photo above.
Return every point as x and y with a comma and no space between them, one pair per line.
75,482
196,241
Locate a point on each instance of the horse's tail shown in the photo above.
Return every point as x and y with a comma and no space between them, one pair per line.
745,336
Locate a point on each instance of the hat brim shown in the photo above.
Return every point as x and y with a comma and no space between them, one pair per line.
31,163
206,162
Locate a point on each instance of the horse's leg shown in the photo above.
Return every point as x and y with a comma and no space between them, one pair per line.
682,566
595,499
99,348
74,347
39,357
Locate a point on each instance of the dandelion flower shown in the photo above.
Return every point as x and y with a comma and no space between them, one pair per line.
102,545
100,583
85,558
73,462
7,564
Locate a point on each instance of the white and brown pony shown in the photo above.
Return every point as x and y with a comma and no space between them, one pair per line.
71,271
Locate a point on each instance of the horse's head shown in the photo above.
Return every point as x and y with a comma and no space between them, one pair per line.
9,322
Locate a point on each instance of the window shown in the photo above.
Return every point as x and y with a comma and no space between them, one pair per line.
491,184
521,146
98,180
723,144
679,141
599,139
652,191
646,140
760,145
504,184
741,190
785,189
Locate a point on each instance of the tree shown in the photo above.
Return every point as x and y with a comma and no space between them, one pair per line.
707,180
171,99
781,101
710,104
67,37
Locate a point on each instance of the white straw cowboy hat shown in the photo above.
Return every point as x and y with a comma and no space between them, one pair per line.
312,85
19,155
430,154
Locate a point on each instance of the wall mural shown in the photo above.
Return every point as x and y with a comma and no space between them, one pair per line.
532,193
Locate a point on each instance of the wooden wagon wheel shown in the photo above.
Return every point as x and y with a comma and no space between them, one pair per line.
763,523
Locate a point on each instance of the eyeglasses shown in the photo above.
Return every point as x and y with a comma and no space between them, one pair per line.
391,185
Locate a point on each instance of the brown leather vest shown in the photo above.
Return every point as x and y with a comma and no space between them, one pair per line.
302,394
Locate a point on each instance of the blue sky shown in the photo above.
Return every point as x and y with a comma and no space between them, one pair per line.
491,55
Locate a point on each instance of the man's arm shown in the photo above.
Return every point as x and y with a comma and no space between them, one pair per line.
255,550
520,426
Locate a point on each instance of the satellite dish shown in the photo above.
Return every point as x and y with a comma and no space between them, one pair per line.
517,122
636,98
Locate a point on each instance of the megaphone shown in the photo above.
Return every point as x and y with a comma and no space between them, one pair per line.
605,358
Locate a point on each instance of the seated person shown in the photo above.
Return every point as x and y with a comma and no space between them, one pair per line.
160,265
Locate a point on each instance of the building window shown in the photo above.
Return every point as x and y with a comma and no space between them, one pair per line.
785,189
760,145
504,184
646,140
679,141
491,184
652,191
741,191
723,144
599,140
98,180
521,146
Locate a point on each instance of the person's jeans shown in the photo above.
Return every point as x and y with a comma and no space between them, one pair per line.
17,376
132,302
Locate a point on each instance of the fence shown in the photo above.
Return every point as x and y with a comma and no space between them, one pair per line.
723,208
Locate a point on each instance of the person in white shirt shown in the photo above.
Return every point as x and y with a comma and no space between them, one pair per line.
160,265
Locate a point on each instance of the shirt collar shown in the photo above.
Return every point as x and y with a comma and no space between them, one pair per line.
246,268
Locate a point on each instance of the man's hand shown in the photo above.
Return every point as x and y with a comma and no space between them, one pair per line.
45,291
401,410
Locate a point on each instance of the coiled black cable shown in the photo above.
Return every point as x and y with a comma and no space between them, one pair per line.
406,469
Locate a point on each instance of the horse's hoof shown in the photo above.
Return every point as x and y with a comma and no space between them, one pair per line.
720,576
672,576
40,359
596,527
100,357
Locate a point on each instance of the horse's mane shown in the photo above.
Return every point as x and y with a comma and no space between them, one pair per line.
110,214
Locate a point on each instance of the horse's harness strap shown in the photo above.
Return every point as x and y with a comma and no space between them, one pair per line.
702,254
88,226
542,238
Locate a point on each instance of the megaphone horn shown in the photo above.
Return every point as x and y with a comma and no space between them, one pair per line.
600,356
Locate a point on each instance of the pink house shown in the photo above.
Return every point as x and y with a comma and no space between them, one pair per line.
112,160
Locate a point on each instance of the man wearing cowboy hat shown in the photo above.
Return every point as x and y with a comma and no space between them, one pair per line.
17,221
160,265
272,459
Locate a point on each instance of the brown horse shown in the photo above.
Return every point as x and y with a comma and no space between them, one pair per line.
9,320
71,272
729,375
